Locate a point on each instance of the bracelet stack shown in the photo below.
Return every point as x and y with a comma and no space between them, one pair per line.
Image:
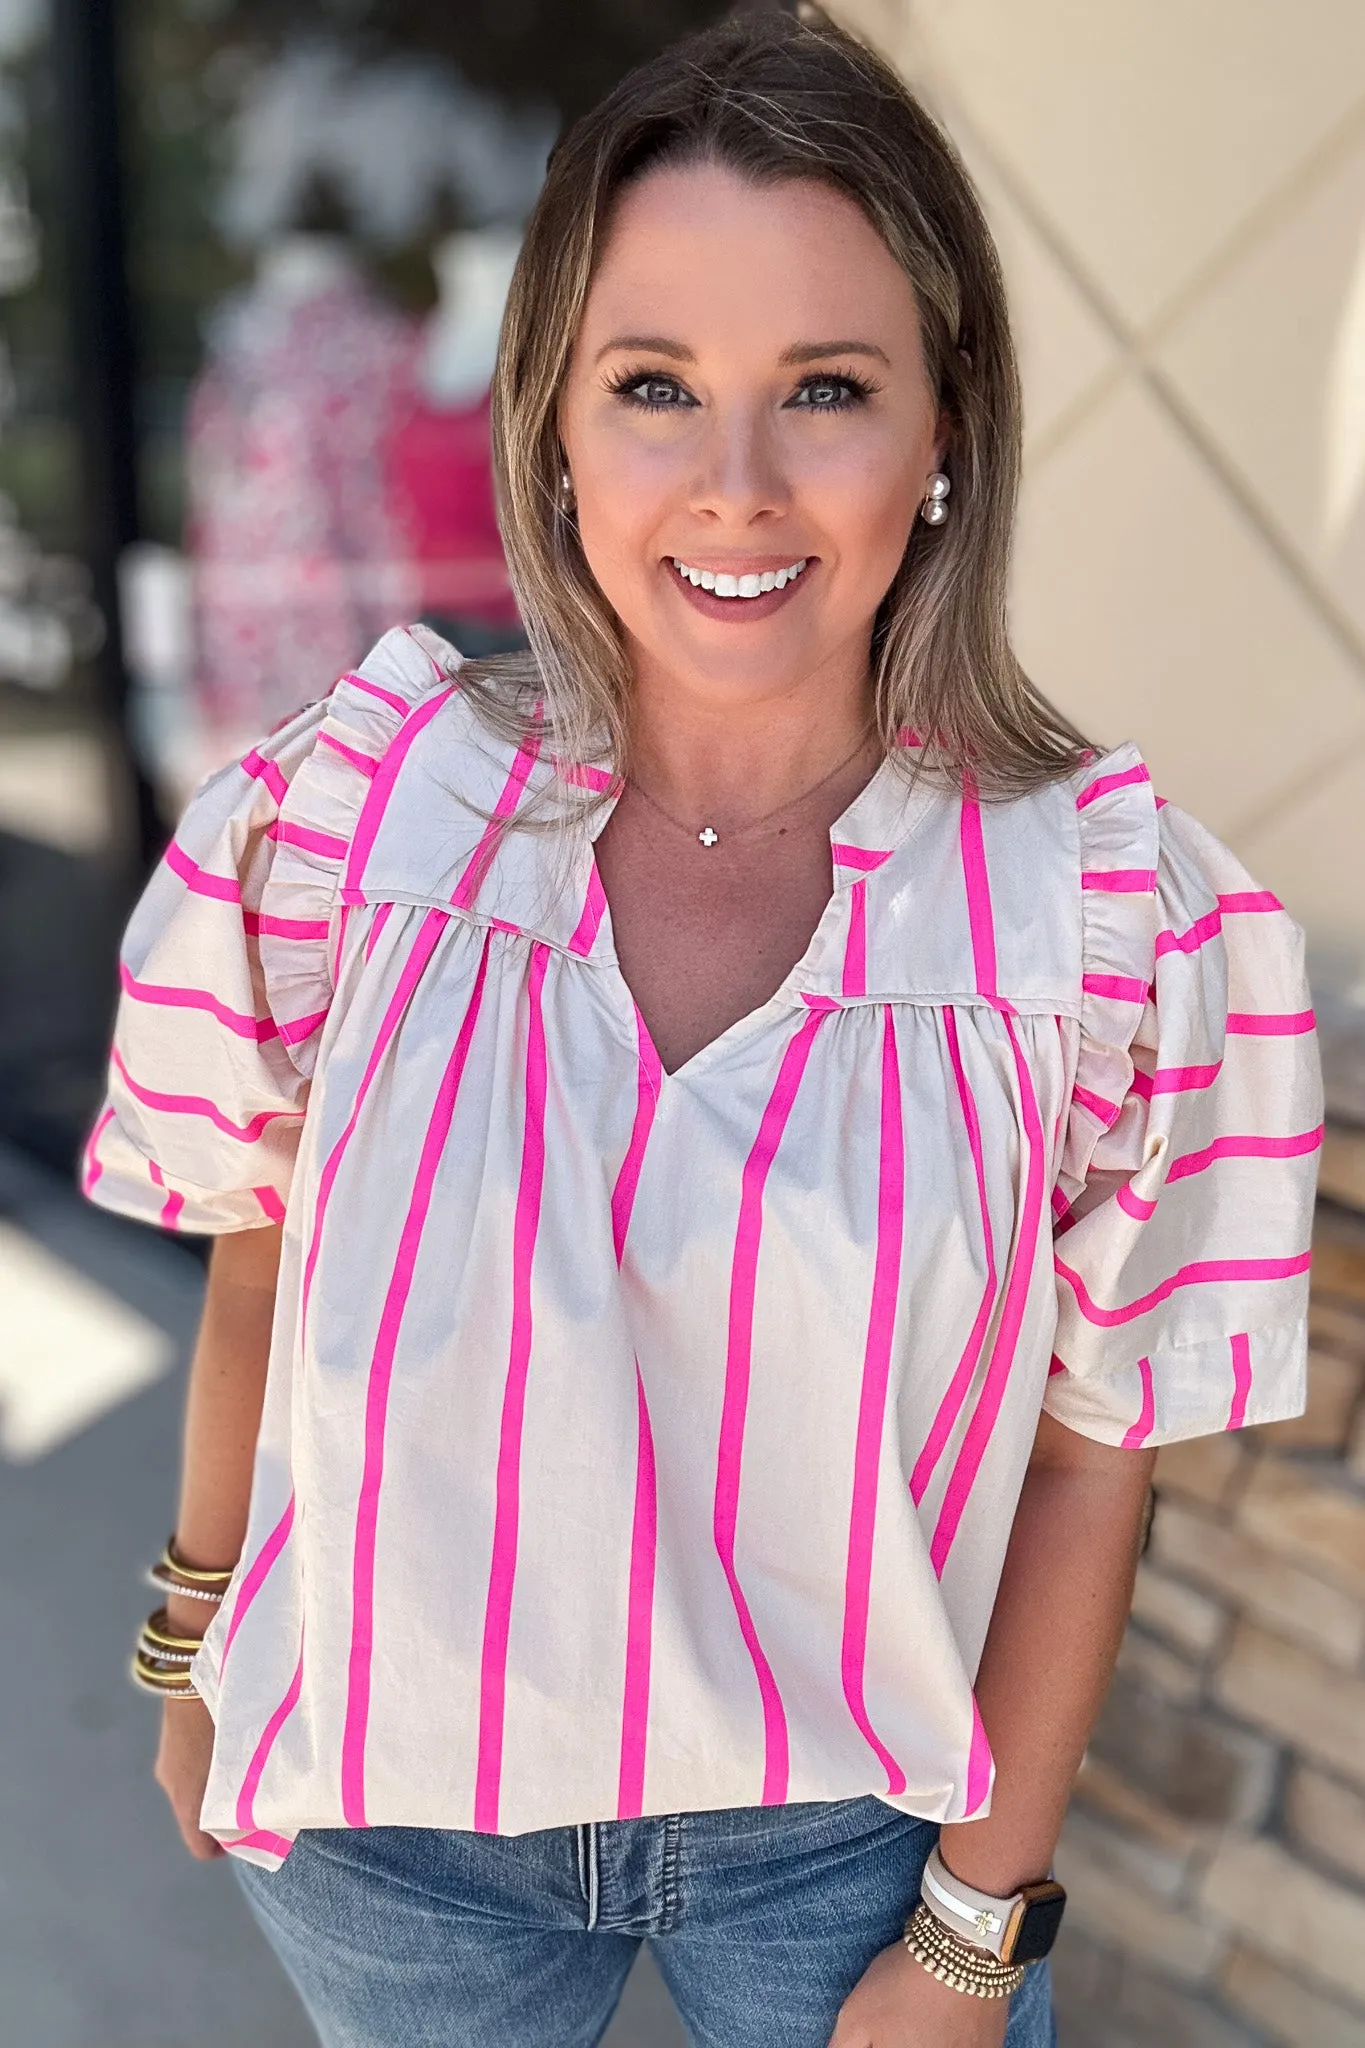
162,1659
955,1962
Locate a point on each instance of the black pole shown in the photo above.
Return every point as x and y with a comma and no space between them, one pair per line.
87,79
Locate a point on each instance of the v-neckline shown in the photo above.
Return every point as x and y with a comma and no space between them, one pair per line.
854,853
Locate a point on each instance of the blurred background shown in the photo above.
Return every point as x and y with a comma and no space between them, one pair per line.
253,250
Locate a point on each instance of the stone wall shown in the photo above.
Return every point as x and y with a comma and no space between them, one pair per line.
1216,1844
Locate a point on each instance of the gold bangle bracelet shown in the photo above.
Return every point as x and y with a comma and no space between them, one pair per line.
178,1689
191,1572
153,1631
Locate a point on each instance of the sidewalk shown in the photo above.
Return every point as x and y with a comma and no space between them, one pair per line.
110,1936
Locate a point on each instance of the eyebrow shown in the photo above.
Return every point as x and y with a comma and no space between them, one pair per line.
799,352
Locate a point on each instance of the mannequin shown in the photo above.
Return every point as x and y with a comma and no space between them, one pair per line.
473,271
301,265
440,455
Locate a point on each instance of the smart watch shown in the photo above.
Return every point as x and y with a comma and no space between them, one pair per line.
1019,1929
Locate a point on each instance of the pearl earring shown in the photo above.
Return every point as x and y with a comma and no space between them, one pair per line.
934,510
566,491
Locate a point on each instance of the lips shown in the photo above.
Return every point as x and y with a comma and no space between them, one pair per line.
740,606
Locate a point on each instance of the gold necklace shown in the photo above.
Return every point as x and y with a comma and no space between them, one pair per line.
708,835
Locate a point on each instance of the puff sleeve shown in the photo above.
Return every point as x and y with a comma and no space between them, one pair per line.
1186,1194
226,968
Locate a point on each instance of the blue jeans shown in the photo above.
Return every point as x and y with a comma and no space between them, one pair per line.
761,1920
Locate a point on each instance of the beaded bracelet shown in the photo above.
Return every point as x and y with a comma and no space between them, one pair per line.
955,1962
160,1577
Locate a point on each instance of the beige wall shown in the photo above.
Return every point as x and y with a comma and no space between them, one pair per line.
1178,189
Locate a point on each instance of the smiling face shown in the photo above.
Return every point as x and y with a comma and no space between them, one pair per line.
747,395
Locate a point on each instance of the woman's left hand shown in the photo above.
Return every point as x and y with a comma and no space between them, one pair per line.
897,2004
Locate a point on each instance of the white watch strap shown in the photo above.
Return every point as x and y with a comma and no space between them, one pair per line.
976,1916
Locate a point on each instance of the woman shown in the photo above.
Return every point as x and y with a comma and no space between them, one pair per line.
690,1496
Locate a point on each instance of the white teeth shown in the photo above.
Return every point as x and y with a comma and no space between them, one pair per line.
750,585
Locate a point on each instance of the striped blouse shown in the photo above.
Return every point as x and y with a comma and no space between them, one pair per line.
636,1442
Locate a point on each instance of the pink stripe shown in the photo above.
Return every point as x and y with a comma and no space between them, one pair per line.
258,1028
977,882
585,776
979,1765
94,1165
1249,900
198,1105
1142,1428
1199,1273
226,888
867,1453
1246,1148
1120,881
1102,784
246,1797
1055,1366
302,1027
389,697
950,1407
257,925
376,1415
649,1080
1270,1024
327,843
1060,1202
1136,1206
432,925
381,789
1241,1380
1124,988
1198,934
366,763
644,1531
630,1791
256,1575
738,1361
1107,1112
507,1513
978,1432
268,772
173,1204
381,918
270,1203
594,908
855,952
865,857
472,880
260,1838
1178,1080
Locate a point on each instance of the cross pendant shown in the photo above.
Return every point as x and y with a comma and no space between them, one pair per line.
707,836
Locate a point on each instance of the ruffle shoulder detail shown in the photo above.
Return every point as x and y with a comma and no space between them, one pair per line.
1120,854
330,810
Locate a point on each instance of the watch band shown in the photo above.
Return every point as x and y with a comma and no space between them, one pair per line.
1019,1928
976,1916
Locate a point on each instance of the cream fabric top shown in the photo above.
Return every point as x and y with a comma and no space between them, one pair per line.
639,1442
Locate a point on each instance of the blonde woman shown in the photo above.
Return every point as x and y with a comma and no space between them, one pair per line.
731,1140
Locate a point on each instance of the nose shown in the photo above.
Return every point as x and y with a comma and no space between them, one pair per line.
740,476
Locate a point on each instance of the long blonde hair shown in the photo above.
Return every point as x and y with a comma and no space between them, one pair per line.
770,97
